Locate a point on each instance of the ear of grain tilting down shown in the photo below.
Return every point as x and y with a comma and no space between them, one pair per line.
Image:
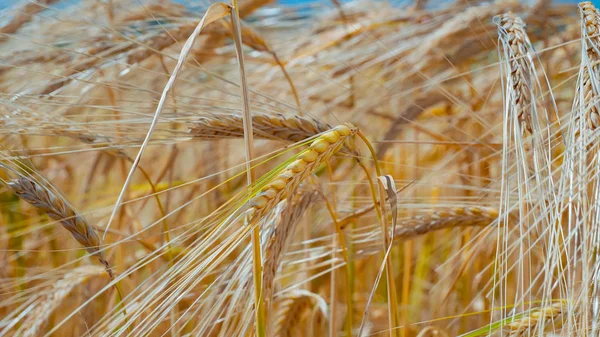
589,89
283,184
57,208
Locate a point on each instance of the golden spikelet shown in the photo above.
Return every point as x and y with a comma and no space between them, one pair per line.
283,185
57,208
590,70
449,218
513,28
277,127
441,219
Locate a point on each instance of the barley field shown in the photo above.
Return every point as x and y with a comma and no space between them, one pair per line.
254,168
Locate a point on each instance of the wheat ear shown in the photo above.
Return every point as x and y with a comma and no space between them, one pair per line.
283,184
277,127
591,21
520,71
57,208
534,319
294,312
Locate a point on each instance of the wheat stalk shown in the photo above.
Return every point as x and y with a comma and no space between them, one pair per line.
277,127
283,184
513,28
57,208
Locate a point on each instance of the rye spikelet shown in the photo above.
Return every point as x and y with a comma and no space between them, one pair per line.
590,69
299,314
536,320
283,185
277,127
513,28
57,208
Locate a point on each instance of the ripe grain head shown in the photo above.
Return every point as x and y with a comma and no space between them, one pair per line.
590,69
276,127
285,183
512,30
57,208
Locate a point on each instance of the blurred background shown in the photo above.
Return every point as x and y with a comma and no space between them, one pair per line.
6,3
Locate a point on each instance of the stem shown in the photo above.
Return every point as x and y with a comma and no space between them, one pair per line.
257,265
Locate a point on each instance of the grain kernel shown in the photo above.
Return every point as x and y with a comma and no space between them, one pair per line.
286,175
309,156
269,193
331,136
260,202
343,130
320,145
278,184
297,166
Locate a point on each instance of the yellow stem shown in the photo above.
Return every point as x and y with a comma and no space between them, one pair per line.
257,267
